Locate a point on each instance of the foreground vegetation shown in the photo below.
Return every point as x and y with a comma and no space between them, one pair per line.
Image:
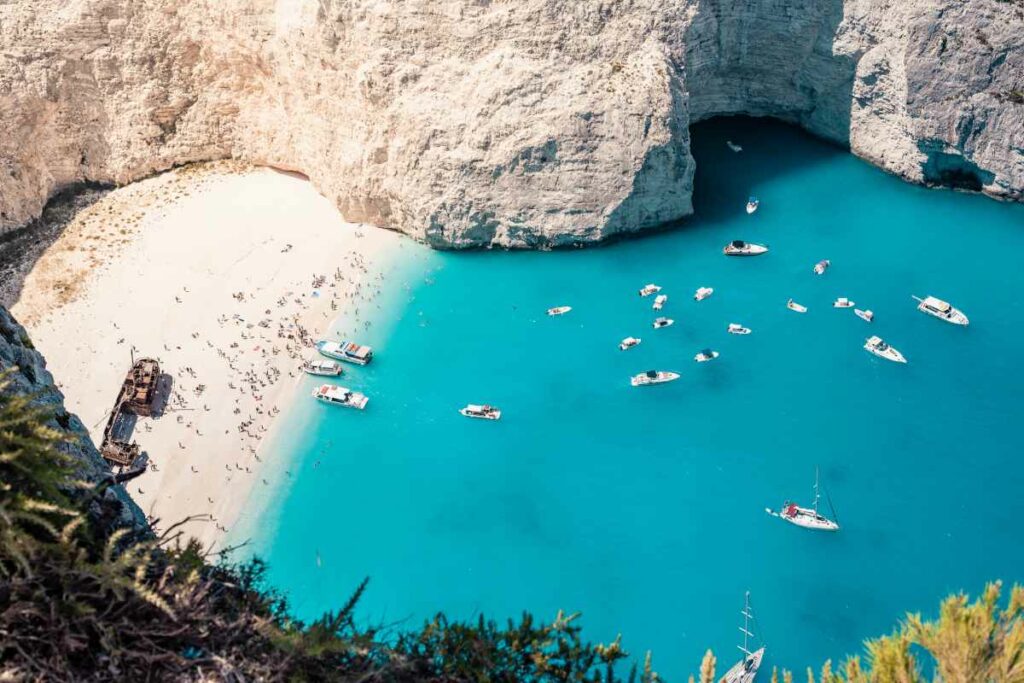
81,598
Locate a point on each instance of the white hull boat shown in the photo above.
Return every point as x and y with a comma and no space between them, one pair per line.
481,412
629,342
821,266
745,670
662,322
942,310
322,368
878,347
705,355
647,290
752,204
347,351
843,302
559,310
865,315
703,293
741,248
652,377
794,306
808,518
733,146
340,396
736,328
659,302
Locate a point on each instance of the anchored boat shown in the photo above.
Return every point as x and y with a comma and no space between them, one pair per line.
340,396
843,302
481,412
350,352
703,293
794,306
736,328
647,290
878,347
821,266
663,322
705,355
941,310
741,248
629,342
659,301
559,310
808,518
733,146
653,377
865,315
323,368
745,670
752,204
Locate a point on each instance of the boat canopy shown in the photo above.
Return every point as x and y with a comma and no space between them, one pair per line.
739,244
652,373
938,304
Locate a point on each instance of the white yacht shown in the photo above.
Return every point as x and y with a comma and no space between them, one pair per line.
941,310
647,290
865,315
663,322
745,670
705,355
821,266
659,301
340,396
741,248
653,377
559,310
843,302
629,342
703,293
808,518
752,204
736,328
878,347
481,412
323,368
794,306
350,352
733,146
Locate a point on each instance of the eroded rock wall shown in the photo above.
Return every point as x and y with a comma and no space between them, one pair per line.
523,123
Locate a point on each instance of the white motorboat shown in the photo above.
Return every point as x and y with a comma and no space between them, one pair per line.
733,146
705,355
481,412
323,368
865,315
350,352
653,377
794,306
647,290
559,310
659,301
752,204
736,328
340,396
941,310
741,248
629,342
745,670
662,322
808,518
878,347
821,266
703,293
843,302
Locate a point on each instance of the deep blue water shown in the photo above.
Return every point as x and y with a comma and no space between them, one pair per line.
644,508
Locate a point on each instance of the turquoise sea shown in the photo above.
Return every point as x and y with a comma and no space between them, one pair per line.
645,508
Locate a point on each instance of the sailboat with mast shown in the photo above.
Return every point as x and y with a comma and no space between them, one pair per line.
808,518
745,670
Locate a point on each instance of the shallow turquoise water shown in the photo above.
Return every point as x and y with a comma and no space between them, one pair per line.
644,508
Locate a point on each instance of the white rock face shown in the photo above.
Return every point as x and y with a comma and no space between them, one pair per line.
521,123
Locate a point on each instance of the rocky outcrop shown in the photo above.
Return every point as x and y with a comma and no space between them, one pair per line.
26,371
485,122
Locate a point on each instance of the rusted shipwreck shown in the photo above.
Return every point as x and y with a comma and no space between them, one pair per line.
136,398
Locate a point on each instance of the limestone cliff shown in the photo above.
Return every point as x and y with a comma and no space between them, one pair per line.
499,122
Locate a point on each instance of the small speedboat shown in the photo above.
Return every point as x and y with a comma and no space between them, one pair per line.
323,368
647,290
843,302
705,355
941,310
794,306
741,248
659,301
629,342
733,146
821,266
559,310
347,351
703,293
865,315
481,412
752,204
340,396
653,377
878,347
663,322
736,328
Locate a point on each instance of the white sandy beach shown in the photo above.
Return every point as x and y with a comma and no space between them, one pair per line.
225,275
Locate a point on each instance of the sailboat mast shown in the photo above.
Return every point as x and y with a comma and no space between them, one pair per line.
816,494
746,619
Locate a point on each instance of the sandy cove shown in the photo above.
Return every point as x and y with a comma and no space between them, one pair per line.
225,275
